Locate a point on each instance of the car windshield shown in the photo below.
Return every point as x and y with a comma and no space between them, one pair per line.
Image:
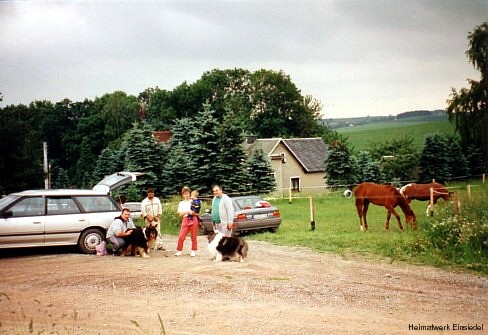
5,201
247,202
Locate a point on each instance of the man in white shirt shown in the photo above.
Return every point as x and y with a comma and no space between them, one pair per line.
151,211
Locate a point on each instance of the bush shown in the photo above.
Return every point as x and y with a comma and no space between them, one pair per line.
462,238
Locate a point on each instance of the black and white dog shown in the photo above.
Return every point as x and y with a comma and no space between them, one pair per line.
141,240
221,248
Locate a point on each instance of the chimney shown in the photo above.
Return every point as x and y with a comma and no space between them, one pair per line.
251,139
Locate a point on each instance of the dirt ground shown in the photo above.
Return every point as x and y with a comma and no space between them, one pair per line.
278,290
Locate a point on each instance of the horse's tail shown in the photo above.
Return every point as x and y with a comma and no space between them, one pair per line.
403,189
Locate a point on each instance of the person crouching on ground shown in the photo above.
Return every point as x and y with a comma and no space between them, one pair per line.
121,227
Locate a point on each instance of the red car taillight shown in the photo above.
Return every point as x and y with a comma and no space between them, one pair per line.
276,213
241,216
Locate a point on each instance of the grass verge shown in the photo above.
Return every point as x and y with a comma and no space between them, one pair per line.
448,239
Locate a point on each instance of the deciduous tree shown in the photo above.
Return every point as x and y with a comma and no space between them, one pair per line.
468,107
398,158
21,158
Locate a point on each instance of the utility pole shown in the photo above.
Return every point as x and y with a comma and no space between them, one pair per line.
46,167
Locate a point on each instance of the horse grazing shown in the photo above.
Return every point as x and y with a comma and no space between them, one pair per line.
422,192
382,195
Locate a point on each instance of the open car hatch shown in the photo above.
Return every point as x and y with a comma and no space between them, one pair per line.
116,180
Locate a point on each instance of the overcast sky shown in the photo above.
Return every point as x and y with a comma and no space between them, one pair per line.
357,58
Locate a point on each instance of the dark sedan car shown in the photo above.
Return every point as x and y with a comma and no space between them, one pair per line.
251,213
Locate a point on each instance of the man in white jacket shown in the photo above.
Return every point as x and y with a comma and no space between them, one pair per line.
151,210
222,211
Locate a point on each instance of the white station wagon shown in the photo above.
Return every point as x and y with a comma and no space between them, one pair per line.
57,217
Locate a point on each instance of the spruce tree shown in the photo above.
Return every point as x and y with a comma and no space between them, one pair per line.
205,149
434,162
60,178
457,160
340,166
196,139
106,164
475,160
141,154
232,168
261,173
179,169
368,170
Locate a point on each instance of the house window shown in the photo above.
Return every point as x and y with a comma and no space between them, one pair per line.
295,184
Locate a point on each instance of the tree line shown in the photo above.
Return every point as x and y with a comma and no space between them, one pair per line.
398,162
209,120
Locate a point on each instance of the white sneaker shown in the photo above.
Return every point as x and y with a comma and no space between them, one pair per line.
192,253
178,254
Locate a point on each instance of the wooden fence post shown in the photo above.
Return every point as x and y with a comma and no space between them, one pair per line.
469,192
431,203
457,203
312,213
289,195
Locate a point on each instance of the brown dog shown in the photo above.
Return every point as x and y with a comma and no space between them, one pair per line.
140,241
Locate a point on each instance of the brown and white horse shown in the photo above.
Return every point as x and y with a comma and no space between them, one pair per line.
382,195
422,192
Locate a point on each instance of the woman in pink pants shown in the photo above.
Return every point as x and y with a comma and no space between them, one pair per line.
187,224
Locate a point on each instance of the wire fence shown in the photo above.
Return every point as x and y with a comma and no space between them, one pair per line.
346,189
343,190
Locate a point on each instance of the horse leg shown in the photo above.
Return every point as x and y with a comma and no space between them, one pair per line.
359,207
365,211
387,224
398,218
429,210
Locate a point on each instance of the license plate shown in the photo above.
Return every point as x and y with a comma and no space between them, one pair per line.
260,216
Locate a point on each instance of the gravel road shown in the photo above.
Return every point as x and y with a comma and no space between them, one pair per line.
278,290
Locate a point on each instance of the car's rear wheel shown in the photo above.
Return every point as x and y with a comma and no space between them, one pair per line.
89,239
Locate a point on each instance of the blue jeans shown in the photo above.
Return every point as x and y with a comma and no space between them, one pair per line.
119,242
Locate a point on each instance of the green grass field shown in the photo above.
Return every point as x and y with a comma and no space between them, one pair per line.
337,227
445,240
362,136
337,231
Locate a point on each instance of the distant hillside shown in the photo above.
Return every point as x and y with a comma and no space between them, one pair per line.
420,115
361,132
